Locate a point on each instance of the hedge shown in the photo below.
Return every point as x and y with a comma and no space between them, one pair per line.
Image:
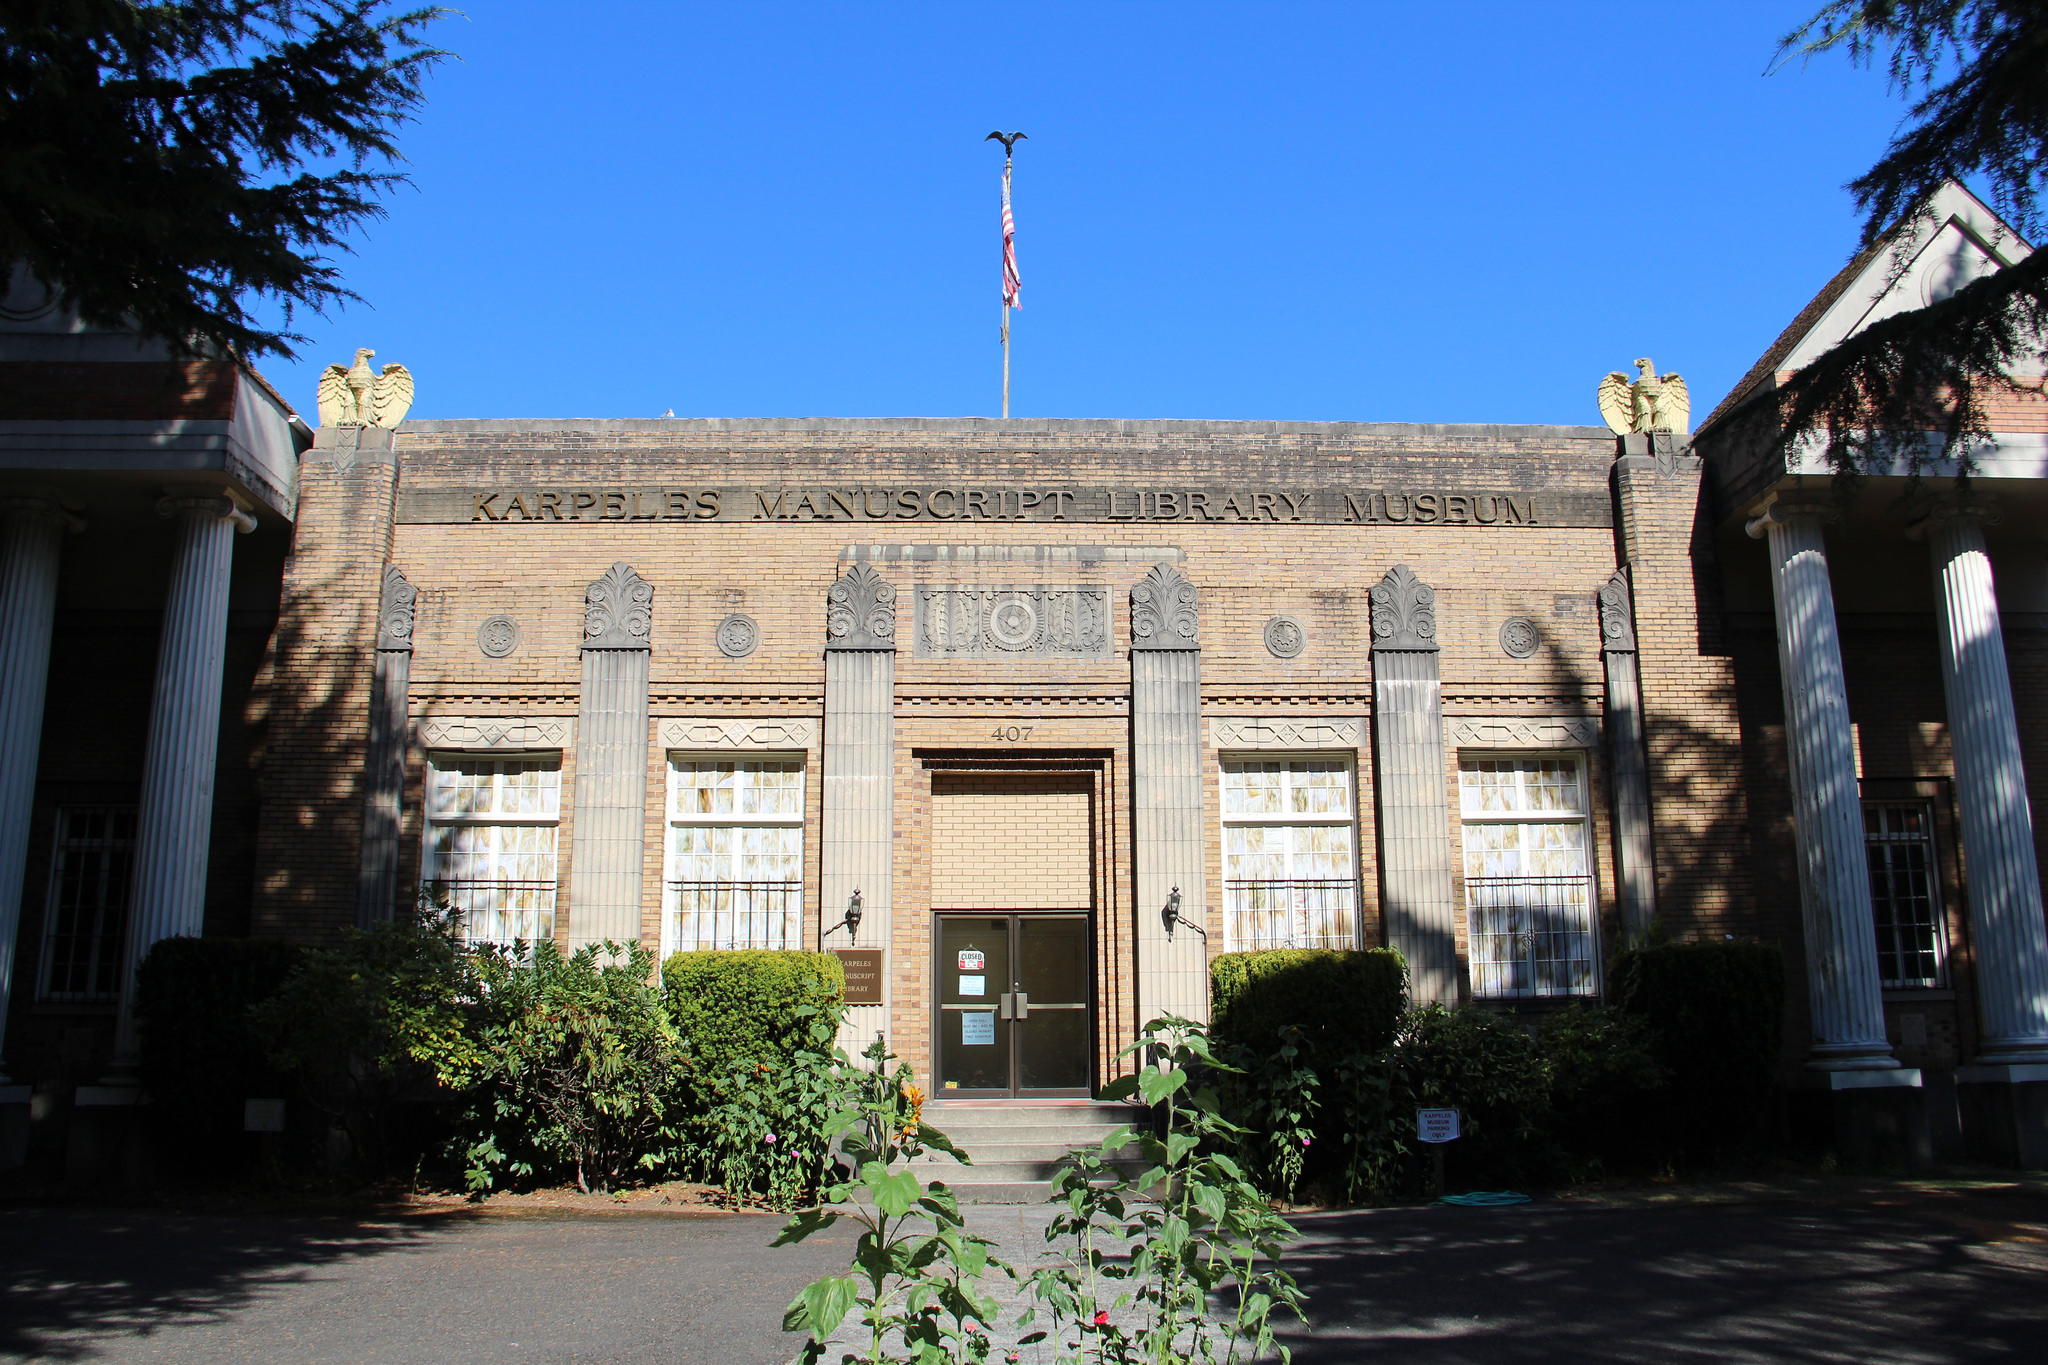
1716,1015
1343,1001
732,1005
201,1056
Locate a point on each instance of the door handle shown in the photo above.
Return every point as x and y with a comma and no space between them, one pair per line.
1013,1005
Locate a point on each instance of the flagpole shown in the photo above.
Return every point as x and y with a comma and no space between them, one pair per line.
1006,304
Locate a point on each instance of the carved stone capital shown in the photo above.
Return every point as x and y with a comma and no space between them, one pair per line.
395,611
43,509
218,507
1784,511
1948,508
1165,611
1617,615
1403,611
618,611
860,611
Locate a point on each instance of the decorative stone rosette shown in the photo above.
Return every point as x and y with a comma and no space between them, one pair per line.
498,636
860,611
618,611
1520,637
1285,637
1164,611
737,636
1403,611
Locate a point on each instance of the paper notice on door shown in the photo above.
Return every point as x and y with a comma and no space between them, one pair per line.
972,959
973,985
978,1028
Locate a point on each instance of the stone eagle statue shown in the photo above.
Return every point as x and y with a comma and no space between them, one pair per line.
1653,402
353,396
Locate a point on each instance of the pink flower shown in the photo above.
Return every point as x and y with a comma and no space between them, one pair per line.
770,1138
1102,1319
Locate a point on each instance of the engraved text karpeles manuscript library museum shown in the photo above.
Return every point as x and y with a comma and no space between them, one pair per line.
1033,718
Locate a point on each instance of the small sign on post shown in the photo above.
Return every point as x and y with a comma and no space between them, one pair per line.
1436,1125
263,1116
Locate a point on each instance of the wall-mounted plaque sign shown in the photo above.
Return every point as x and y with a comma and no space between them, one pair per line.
863,975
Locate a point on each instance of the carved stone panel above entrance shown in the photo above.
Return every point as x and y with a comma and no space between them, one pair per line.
999,622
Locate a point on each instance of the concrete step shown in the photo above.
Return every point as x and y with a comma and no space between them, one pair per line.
985,1152
1017,1146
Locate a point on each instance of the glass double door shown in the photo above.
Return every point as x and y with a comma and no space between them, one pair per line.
1014,1015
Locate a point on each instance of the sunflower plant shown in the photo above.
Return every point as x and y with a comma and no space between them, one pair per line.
915,1281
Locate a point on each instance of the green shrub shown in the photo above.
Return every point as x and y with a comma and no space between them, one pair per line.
1716,1015
746,1006
575,1069
1341,1001
1606,1084
386,1014
201,1055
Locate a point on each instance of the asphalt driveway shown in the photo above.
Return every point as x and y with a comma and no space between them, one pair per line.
1910,1280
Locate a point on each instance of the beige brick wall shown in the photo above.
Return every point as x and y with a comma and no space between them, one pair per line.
1011,843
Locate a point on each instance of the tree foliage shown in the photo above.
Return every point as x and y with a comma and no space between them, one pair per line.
1977,74
172,166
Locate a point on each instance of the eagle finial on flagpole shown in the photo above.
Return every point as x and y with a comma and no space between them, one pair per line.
1012,285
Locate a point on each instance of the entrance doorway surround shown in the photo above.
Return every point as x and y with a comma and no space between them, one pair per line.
1020,951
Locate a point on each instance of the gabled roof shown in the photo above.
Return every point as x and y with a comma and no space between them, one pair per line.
1921,259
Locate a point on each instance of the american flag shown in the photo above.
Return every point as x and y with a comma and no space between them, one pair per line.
1012,285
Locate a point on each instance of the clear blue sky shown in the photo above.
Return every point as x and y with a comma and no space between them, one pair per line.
1374,212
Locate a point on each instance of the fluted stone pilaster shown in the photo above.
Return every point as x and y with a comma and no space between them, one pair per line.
31,535
1991,791
611,761
1408,784
1629,760
384,754
1166,830
175,824
1166,794
857,849
1827,808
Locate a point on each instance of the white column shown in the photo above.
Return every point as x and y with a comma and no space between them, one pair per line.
1827,808
1991,791
31,531
175,824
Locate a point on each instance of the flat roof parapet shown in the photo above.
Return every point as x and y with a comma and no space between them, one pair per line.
995,426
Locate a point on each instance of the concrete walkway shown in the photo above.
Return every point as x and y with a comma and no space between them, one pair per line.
1877,1280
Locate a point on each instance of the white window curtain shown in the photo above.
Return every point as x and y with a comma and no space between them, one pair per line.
1290,867
491,827
1528,876
735,869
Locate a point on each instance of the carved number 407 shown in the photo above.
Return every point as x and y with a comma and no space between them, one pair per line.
1013,733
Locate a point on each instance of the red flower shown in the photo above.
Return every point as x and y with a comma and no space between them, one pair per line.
1102,1319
